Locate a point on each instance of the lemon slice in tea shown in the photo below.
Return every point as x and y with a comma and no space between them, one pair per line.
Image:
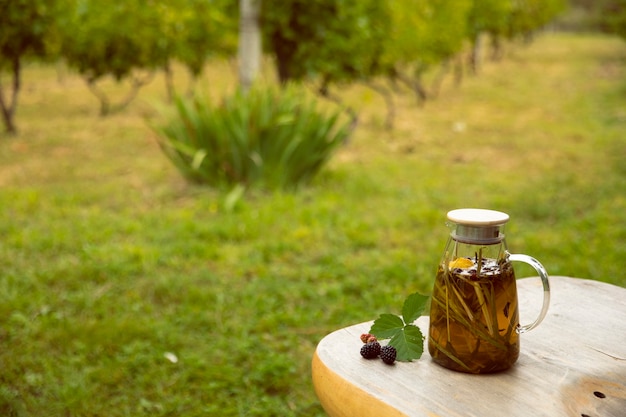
461,263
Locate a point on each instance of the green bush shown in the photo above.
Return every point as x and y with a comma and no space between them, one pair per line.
268,137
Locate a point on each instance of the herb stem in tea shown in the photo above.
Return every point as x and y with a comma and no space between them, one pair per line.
456,311
448,313
451,355
484,307
468,311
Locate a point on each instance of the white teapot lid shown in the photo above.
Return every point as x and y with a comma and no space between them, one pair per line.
477,226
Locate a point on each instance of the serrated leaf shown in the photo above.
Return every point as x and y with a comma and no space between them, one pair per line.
409,343
387,326
413,307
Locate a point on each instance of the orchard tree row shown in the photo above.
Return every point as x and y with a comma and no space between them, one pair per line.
604,15
323,41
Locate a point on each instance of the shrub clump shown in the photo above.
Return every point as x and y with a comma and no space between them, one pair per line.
269,137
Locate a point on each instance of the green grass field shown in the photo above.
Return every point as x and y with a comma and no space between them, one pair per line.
125,291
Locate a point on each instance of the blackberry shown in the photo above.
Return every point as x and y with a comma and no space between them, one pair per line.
370,350
388,354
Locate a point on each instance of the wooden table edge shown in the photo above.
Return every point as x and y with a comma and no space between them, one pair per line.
339,398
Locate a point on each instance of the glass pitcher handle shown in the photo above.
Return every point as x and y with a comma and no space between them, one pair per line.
546,288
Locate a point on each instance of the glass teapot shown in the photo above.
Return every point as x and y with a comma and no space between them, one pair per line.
474,317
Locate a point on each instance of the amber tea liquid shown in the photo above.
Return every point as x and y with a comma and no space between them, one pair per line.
474,316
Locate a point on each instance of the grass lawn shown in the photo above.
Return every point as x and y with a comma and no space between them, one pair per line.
125,291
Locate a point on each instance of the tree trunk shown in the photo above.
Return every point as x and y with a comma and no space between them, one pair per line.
476,54
324,92
388,97
249,50
8,105
106,106
169,81
416,85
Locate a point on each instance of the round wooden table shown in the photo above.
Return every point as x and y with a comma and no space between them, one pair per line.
573,364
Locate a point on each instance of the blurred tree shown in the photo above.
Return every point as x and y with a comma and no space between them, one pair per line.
28,29
196,30
249,52
116,39
424,33
528,16
329,39
611,16
134,38
487,17
326,41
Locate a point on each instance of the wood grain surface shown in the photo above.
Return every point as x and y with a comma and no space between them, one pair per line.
573,364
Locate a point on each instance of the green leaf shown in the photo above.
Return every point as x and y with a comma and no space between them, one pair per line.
198,158
413,307
409,343
387,326
233,197
405,337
